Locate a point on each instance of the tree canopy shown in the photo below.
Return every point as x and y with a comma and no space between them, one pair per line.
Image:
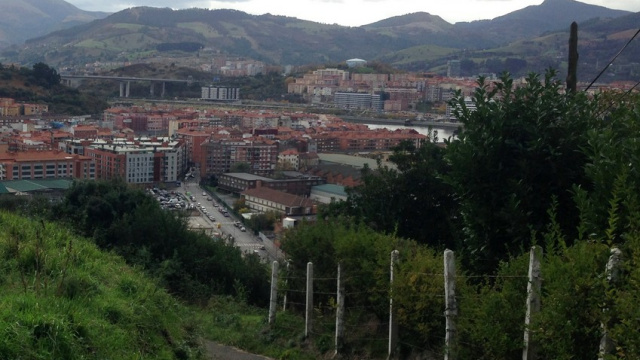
517,153
190,264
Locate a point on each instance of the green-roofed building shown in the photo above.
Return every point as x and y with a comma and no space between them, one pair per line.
53,188
328,193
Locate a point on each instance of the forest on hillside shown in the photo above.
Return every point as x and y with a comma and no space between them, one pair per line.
41,84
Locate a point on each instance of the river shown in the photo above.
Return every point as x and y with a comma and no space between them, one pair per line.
441,133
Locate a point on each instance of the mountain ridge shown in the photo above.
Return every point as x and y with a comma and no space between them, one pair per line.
417,41
24,19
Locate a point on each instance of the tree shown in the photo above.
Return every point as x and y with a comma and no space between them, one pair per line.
514,65
410,201
240,167
132,224
516,153
468,67
45,75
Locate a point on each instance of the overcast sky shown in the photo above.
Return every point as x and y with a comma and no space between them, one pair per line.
350,12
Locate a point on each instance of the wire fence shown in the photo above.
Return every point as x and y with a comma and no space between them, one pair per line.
365,309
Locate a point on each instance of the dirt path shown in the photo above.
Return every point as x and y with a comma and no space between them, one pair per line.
220,352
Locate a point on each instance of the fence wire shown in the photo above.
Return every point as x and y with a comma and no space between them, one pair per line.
366,310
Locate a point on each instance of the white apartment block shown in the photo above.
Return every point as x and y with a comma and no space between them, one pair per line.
139,168
289,160
220,93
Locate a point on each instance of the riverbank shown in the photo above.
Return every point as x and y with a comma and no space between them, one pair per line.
397,122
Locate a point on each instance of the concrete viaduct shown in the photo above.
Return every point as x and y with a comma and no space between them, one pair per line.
125,82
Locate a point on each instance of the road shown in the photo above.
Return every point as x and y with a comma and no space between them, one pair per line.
245,240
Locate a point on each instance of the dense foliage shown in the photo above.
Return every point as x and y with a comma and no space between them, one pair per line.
420,204
519,151
531,166
190,264
41,84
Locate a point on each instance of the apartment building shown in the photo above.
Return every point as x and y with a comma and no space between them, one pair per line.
375,140
219,155
220,93
289,159
52,164
35,109
319,79
9,107
193,139
357,101
143,161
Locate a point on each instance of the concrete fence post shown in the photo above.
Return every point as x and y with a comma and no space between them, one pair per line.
393,325
533,301
451,306
340,312
274,293
309,304
606,346
286,282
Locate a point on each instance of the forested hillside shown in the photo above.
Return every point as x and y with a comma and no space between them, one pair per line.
41,84
416,42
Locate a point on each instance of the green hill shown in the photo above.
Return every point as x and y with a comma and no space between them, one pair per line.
63,298
24,19
41,84
146,32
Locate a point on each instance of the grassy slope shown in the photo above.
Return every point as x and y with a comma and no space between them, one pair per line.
65,299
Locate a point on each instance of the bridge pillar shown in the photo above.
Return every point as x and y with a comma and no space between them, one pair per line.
121,89
163,89
151,89
128,88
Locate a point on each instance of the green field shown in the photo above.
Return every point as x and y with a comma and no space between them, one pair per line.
200,28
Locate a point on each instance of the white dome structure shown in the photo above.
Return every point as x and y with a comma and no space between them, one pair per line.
356,62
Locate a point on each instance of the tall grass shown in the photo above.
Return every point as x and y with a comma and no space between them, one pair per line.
62,298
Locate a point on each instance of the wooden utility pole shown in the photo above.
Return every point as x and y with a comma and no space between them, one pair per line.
533,301
451,307
572,73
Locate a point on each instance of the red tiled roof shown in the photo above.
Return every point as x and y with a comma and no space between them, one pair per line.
289,152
